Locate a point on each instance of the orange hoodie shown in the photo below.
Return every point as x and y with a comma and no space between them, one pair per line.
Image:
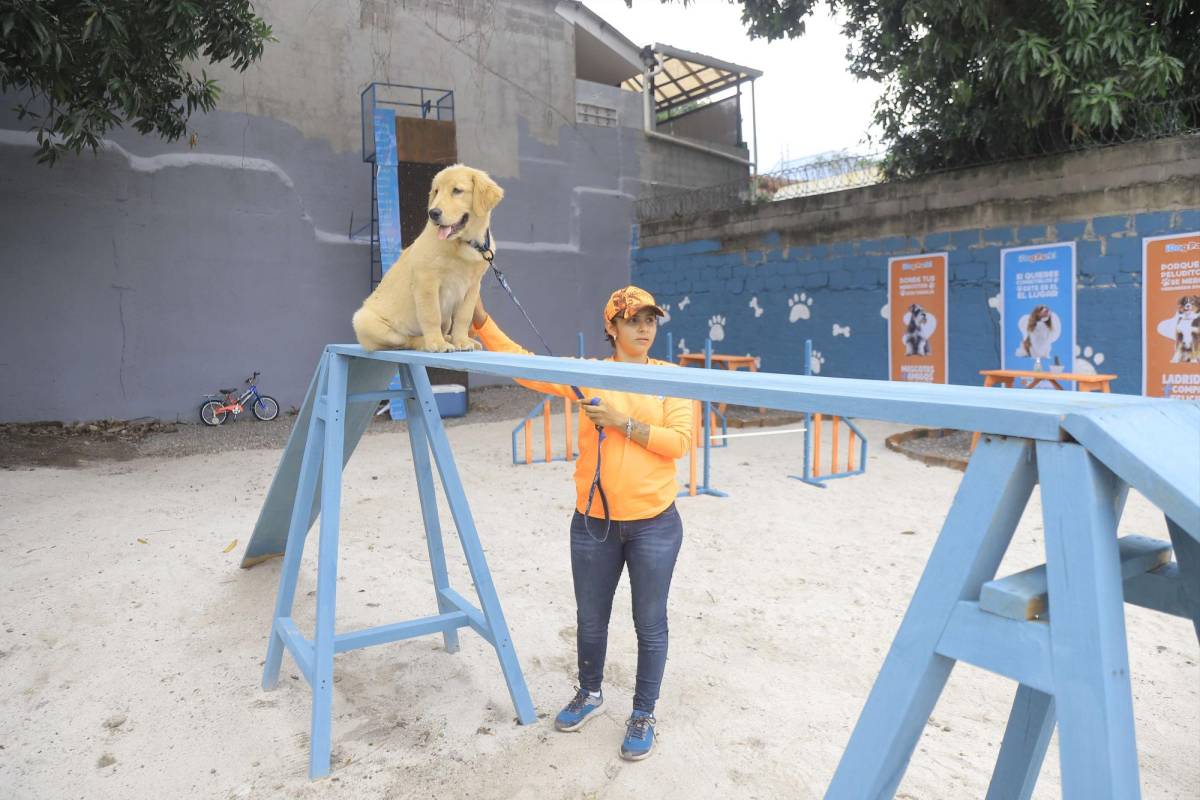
638,481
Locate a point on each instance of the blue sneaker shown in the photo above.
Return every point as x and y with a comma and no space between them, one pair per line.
578,711
639,736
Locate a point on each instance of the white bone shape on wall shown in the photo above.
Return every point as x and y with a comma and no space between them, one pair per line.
839,330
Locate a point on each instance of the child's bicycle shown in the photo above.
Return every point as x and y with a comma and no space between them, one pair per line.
219,406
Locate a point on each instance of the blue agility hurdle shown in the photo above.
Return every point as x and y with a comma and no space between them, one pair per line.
1070,663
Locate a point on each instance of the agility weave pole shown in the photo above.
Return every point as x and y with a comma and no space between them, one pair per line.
1085,450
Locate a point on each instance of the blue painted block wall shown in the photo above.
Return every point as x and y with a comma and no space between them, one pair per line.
767,301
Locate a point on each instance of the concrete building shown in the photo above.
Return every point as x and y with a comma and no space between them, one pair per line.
137,279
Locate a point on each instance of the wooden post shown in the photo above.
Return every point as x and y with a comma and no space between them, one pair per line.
692,450
850,452
816,456
569,430
833,467
528,442
549,437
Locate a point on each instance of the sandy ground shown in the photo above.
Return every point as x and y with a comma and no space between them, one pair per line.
131,642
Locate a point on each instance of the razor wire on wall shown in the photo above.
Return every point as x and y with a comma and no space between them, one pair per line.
1144,122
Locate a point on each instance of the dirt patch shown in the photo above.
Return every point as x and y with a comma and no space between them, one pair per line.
58,444
941,447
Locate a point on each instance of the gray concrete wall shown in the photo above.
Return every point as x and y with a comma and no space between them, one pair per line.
1131,178
139,278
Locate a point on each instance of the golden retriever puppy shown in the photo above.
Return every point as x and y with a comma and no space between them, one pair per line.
426,299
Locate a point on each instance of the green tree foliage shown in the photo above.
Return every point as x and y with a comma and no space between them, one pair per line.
966,81
92,65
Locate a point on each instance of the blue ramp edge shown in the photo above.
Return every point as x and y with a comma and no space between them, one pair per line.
1152,446
271,530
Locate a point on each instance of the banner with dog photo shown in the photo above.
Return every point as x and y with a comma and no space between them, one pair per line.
1037,308
917,310
1171,316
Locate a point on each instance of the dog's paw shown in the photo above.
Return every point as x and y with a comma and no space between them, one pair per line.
440,346
466,345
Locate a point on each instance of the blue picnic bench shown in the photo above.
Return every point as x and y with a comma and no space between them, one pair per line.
1058,631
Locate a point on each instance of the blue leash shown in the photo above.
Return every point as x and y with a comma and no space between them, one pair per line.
488,255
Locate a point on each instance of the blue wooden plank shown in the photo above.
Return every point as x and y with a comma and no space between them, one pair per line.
1187,554
1030,724
1028,414
977,531
474,615
310,467
489,602
1017,649
423,470
301,649
1092,694
1023,595
1154,447
383,634
269,536
1163,590
327,558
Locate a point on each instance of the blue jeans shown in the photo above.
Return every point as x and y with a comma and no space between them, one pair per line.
649,547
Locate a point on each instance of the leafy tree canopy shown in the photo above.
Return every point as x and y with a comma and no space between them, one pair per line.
92,65
966,81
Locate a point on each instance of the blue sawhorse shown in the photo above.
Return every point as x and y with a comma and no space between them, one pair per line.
334,416
1085,451
1073,668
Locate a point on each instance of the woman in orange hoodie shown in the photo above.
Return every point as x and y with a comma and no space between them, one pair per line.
643,437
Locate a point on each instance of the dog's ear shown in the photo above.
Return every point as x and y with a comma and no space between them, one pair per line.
486,194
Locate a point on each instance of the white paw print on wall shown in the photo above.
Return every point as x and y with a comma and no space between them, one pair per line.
758,310
818,361
757,361
1086,360
716,327
666,316
800,307
995,302
886,311
682,347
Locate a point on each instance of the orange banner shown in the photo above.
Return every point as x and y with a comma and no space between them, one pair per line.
1171,316
918,289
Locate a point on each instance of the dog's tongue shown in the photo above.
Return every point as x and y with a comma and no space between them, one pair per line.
444,231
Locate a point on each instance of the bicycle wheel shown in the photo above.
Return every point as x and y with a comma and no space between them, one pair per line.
266,408
209,414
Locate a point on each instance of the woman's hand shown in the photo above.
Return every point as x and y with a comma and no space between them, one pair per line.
604,416
480,317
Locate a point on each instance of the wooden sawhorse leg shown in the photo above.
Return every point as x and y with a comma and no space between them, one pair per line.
490,624
985,512
1023,749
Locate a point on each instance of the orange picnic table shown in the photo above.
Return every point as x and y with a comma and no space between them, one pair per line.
1008,378
729,362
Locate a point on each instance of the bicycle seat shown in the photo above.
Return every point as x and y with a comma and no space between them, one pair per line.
226,391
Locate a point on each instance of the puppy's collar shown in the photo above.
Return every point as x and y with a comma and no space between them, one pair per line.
485,248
